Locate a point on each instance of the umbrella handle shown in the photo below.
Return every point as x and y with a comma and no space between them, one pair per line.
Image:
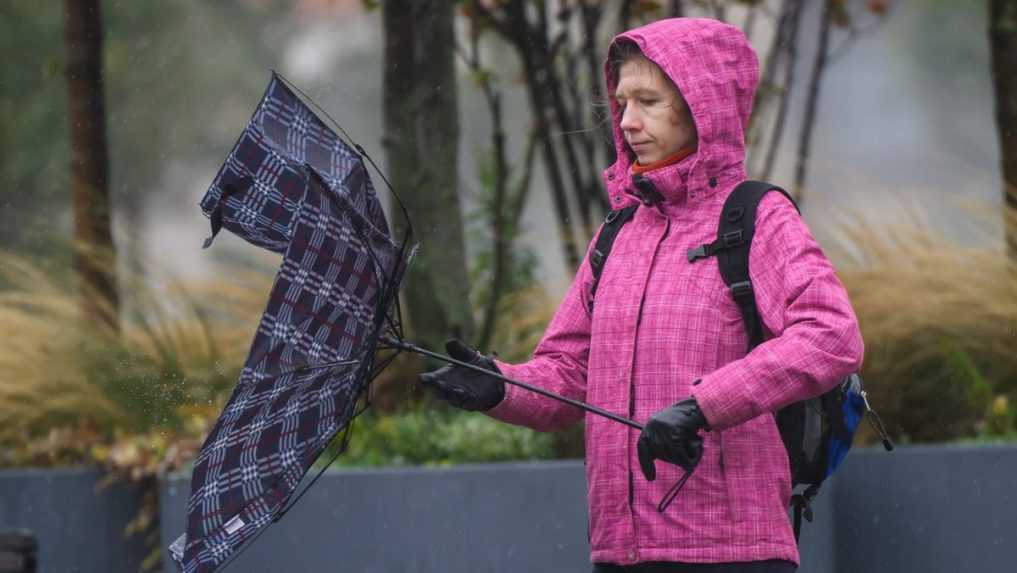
576,403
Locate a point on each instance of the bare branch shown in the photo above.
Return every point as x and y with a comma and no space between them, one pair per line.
854,34
531,45
791,48
625,14
591,16
749,24
764,93
719,10
1003,53
808,124
522,188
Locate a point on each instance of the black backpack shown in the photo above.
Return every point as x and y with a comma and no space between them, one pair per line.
817,433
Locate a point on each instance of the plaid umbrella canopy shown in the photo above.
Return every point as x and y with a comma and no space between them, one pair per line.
292,186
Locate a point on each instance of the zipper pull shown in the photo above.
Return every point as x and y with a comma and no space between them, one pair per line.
876,423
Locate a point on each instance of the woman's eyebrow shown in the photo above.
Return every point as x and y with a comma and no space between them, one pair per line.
636,92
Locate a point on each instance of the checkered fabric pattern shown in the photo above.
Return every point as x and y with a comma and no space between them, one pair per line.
292,186
263,178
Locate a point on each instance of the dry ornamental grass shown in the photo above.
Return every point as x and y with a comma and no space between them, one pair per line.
940,326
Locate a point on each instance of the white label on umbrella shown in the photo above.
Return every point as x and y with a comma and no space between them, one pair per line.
232,526
176,549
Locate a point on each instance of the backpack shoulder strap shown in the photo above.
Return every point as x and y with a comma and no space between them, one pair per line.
605,240
734,237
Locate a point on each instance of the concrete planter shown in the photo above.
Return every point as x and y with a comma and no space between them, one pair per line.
490,518
935,509
920,509
79,528
931,509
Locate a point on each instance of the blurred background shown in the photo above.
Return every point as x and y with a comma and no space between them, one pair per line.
894,122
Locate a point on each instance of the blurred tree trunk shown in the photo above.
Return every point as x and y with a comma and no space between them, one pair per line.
786,48
1003,46
94,251
812,103
421,141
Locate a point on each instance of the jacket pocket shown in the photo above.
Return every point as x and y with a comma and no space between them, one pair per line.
732,517
757,478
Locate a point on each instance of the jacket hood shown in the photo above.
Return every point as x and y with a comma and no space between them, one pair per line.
716,71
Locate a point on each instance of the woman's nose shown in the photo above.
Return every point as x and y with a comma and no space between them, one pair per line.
630,119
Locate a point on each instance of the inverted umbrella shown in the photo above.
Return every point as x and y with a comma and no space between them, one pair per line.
294,187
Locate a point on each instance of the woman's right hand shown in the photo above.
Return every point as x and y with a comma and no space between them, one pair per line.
464,387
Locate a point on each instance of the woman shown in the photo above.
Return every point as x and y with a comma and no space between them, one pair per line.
665,343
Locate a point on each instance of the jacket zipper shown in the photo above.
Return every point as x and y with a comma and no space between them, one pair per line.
632,378
632,412
632,404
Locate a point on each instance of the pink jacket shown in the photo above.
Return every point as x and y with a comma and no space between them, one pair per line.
661,323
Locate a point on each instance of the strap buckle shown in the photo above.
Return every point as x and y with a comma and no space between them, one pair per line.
732,238
741,289
698,253
726,241
803,504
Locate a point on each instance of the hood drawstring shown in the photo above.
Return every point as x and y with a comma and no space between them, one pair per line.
673,172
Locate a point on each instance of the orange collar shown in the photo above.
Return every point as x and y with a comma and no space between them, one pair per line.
638,169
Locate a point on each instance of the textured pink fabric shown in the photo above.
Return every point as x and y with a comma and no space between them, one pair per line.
660,323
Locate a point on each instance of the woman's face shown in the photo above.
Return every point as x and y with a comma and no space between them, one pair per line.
656,121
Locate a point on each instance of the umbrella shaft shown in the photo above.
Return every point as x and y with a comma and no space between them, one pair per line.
577,403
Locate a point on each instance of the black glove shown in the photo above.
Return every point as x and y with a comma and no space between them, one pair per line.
672,435
463,387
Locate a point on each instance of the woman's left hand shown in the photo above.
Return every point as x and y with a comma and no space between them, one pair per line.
672,435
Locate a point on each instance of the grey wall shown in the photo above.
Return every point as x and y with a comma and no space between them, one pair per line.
491,518
80,529
928,509
817,542
917,510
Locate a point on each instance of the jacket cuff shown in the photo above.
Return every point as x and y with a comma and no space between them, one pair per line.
721,409
503,411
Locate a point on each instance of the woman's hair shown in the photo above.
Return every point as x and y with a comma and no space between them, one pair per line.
624,50
620,52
